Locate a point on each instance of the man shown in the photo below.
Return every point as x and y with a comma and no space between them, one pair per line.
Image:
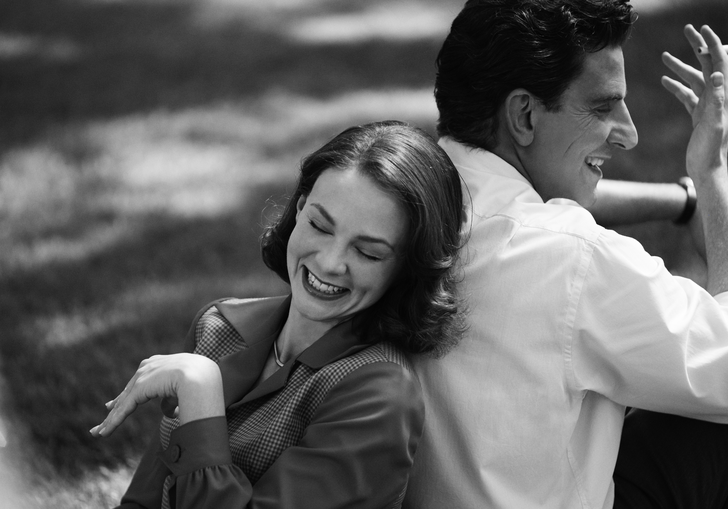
571,323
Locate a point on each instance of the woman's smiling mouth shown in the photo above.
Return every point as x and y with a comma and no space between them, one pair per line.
317,287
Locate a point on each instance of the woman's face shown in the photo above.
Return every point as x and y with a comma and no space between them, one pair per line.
346,248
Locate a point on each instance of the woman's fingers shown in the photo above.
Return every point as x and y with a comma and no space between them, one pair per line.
191,385
149,381
120,408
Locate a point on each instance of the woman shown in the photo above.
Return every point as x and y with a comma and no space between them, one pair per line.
307,400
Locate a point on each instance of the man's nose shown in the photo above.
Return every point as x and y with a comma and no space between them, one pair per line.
624,133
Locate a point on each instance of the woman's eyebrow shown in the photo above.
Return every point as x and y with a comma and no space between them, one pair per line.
324,213
376,240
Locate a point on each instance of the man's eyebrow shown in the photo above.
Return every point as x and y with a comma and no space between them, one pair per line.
607,98
365,238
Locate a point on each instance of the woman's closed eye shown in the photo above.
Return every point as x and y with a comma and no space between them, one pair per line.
365,253
368,256
318,228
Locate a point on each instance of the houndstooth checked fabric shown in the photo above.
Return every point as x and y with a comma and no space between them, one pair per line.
262,429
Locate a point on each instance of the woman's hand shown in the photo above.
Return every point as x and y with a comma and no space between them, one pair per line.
194,380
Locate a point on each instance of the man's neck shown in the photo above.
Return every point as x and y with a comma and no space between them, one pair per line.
509,153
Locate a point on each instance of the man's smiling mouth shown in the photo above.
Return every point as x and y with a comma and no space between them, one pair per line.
595,162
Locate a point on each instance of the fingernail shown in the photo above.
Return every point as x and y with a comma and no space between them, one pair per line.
108,403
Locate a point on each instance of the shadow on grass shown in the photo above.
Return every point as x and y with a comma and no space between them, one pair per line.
134,299
89,60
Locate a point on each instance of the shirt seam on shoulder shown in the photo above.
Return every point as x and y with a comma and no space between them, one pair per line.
521,224
575,294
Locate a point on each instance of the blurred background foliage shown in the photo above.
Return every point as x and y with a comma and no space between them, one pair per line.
143,143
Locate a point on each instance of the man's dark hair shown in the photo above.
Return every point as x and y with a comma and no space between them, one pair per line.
497,46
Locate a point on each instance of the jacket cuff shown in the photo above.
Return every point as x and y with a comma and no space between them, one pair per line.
197,445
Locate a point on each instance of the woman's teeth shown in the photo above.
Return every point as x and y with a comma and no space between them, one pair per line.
322,287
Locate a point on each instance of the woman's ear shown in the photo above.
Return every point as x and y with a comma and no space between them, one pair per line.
299,205
519,107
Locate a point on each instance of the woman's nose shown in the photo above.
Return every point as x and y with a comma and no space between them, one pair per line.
332,259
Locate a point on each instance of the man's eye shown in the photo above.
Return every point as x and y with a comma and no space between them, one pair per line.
605,109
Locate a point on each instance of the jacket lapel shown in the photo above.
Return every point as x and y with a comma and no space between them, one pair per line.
271,384
258,322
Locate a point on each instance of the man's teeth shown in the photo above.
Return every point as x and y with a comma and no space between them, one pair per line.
594,161
322,287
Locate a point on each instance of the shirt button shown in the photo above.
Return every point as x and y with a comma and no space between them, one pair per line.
176,452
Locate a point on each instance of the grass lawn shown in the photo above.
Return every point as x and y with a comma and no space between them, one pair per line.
142,145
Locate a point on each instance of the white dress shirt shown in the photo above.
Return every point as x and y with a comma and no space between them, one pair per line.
568,324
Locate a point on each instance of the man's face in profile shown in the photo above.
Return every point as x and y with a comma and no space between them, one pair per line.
571,143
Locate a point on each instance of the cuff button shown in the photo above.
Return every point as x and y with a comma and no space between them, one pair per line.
175,453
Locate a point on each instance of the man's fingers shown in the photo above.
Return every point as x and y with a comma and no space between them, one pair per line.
683,94
717,79
716,50
694,37
687,73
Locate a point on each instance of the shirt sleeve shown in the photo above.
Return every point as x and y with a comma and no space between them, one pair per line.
356,452
199,453
144,491
645,338
198,457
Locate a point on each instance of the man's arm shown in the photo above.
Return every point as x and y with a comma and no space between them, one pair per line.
621,202
707,153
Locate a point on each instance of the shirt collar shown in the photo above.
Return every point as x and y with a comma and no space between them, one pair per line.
491,183
340,341
469,159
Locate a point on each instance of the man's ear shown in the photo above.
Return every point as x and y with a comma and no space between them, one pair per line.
519,108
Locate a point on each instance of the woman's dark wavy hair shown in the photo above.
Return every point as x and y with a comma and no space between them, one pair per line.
497,46
421,310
